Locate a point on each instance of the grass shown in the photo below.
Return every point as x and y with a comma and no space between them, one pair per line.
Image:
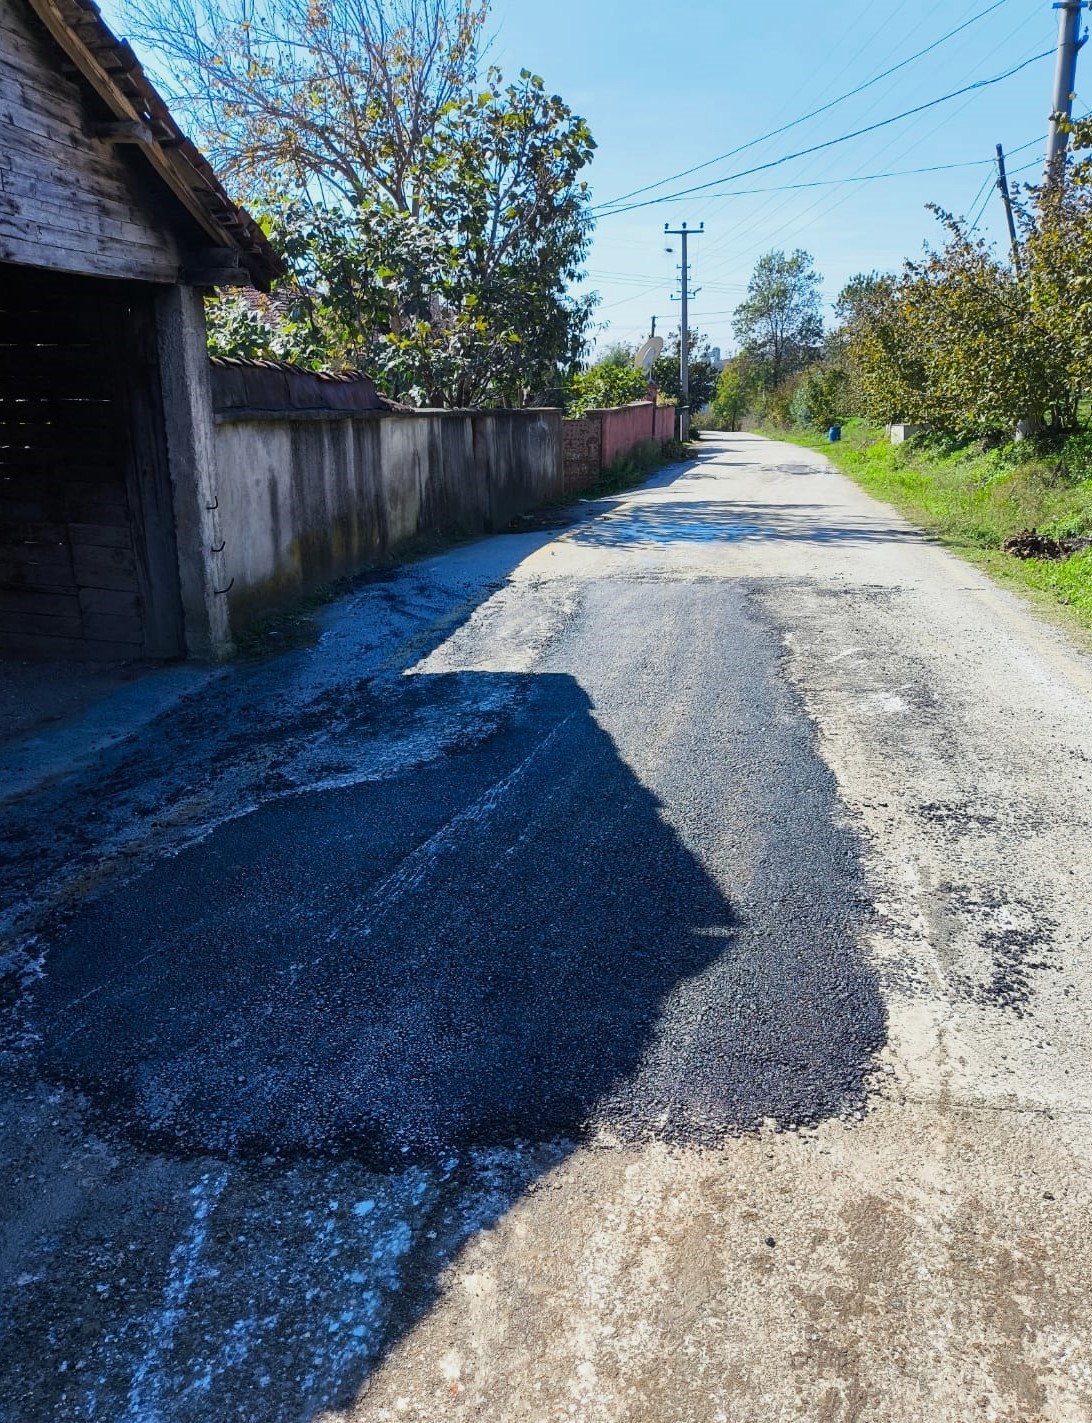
972,500
636,466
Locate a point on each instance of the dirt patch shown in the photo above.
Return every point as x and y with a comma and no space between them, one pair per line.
1029,543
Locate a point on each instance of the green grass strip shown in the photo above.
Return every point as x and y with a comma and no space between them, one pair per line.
972,499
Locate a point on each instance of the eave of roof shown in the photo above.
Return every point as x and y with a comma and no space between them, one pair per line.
112,69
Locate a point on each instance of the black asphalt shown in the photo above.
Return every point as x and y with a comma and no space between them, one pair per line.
628,902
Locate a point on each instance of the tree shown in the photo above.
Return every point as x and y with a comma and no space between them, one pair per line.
779,324
1058,258
821,398
618,355
434,219
349,98
608,382
885,372
703,370
732,397
956,343
508,200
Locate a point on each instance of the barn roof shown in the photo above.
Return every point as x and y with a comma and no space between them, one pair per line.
111,68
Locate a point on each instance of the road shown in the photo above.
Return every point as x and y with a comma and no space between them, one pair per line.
637,969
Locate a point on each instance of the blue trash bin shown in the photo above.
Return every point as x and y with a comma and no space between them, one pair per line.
834,434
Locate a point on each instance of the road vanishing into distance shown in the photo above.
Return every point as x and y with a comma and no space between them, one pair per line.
638,968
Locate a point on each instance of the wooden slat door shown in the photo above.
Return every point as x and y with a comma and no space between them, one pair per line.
88,566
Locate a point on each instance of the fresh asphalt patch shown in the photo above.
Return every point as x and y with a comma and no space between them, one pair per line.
523,939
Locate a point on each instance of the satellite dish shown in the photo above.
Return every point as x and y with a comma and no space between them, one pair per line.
649,353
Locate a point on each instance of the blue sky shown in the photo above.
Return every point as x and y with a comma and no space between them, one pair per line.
665,87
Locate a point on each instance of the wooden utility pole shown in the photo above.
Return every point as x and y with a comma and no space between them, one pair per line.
1006,198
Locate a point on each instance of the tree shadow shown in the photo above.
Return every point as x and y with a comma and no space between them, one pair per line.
733,521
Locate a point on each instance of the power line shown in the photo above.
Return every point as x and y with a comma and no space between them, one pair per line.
856,178
830,143
794,123
982,210
876,161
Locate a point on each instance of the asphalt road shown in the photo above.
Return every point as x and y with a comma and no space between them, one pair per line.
637,970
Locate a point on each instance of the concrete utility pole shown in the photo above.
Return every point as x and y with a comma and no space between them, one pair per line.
684,329
1006,198
1065,82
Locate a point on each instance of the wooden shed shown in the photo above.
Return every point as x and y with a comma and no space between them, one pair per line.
112,226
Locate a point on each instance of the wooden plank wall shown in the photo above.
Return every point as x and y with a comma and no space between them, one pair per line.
69,201
87,563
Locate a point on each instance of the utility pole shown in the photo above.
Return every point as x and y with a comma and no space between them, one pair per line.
653,331
1006,198
684,329
1065,82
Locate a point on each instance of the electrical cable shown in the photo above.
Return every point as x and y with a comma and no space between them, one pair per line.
875,159
830,143
982,210
856,178
818,210
794,123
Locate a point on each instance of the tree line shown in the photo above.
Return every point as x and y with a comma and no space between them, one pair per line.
964,341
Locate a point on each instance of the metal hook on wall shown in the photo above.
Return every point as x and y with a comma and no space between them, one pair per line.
227,589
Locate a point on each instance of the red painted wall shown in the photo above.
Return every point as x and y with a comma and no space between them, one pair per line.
626,426
665,423
598,438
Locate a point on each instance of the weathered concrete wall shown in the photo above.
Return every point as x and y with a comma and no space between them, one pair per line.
665,423
305,498
251,387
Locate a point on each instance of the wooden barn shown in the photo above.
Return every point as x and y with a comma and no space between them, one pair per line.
112,225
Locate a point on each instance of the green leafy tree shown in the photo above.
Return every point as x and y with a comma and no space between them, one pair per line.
886,374
702,374
434,219
732,397
779,324
821,398
1057,261
618,355
608,382
957,343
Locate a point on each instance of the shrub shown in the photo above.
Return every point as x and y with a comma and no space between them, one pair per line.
605,384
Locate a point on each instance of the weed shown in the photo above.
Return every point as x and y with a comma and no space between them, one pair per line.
636,465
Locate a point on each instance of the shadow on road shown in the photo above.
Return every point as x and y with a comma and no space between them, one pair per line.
446,975
483,949
732,521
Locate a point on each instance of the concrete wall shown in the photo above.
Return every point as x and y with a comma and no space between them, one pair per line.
899,434
305,497
250,387
665,423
